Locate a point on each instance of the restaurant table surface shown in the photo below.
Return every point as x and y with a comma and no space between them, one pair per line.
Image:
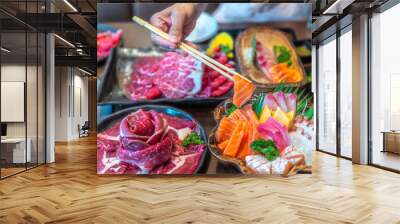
135,36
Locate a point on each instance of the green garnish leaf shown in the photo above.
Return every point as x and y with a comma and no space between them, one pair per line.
279,88
266,147
192,139
231,109
258,104
283,55
225,48
309,114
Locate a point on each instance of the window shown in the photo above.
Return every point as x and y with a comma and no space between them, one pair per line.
327,96
346,93
385,89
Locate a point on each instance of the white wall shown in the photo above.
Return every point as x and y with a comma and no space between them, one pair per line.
12,73
33,127
71,94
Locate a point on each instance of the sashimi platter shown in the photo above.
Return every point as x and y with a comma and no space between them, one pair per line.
265,133
241,102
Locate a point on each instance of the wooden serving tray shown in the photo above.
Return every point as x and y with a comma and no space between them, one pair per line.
268,37
219,113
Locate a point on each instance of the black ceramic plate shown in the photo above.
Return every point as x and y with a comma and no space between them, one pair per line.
109,121
112,92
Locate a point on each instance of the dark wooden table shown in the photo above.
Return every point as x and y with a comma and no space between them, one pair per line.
138,37
391,141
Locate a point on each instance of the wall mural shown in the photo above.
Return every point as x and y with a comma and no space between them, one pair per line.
185,110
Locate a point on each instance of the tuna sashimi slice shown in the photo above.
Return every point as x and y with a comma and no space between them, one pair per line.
275,131
270,101
291,100
281,100
243,91
265,59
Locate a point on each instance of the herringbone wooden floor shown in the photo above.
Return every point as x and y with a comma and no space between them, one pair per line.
69,191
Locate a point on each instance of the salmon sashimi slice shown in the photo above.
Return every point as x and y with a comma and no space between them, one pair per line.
234,142
222,145
239,114
245,149
225,128
242,91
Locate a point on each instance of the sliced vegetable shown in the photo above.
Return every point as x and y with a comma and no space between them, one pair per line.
266,147
257,104
223,42
254,50
265,114
192,139
282,117
231,109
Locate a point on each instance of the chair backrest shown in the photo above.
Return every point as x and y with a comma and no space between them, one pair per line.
86,125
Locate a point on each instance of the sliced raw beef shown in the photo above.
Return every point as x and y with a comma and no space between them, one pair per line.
178,123
108,139
183,164
106,41
107,145
214,84
179,76
142,82
148,158
265,59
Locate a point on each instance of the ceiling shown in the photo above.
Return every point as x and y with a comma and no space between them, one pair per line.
72,20
331,15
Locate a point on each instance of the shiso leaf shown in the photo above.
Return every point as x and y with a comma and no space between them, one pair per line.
266,147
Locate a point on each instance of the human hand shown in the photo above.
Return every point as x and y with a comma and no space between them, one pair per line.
177,20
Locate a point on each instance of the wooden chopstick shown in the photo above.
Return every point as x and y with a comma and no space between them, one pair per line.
192,51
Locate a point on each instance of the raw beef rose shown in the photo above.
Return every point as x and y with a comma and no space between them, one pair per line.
141,129
141,140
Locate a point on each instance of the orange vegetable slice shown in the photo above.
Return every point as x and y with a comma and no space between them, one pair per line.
242,91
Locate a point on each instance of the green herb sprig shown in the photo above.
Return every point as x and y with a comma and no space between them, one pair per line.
232,108
283,55
192,139
257,104
266,147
